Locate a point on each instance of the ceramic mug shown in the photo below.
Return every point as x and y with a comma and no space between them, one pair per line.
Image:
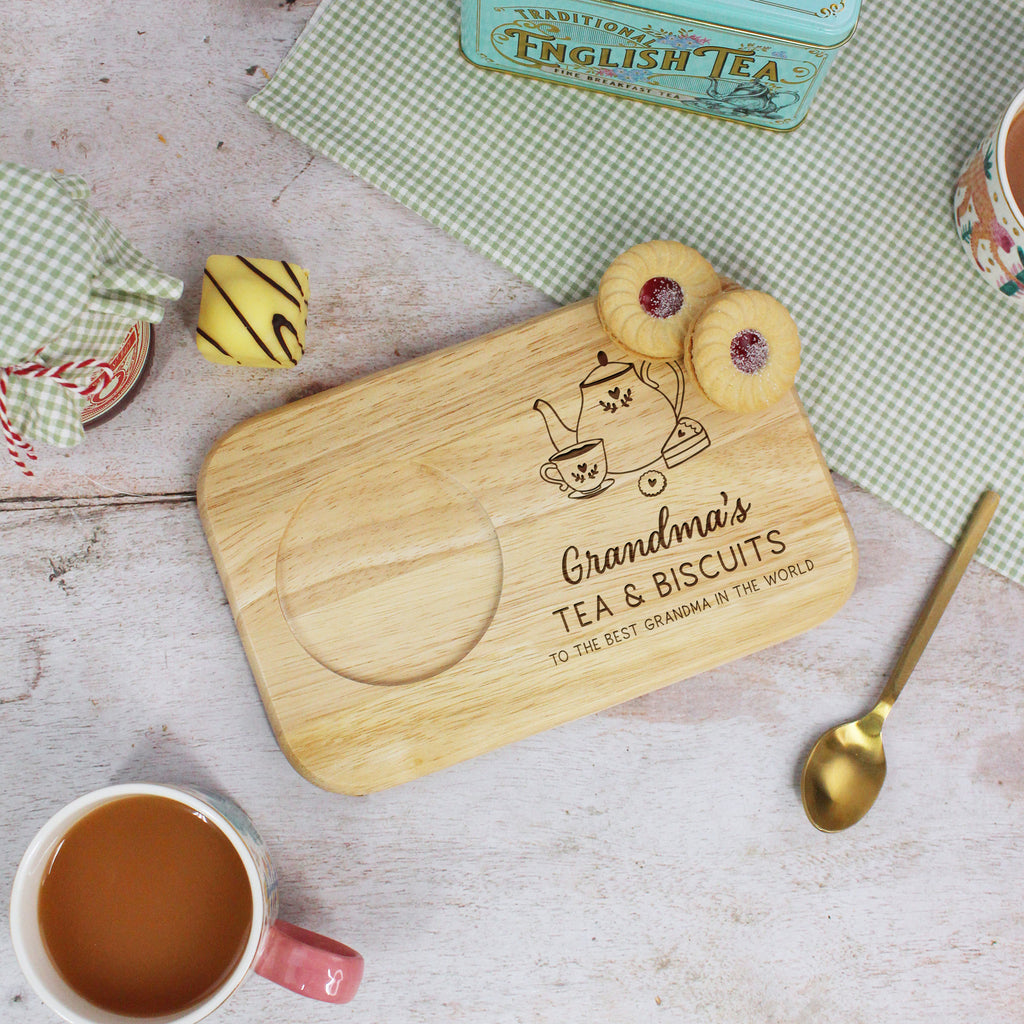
302,961
988,219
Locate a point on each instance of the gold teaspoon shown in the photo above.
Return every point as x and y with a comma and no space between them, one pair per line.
845,769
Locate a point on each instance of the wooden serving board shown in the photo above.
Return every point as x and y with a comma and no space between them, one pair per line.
505,535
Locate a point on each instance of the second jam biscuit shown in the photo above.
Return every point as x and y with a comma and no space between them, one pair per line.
651,294
744,351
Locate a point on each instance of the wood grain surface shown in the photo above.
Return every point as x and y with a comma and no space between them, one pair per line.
397,531
650,862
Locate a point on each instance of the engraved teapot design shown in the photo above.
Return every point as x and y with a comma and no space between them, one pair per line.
624,407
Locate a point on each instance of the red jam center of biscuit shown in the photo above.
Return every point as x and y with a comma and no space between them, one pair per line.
661,297
749,351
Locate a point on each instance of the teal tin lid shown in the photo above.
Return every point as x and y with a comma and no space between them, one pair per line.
825,25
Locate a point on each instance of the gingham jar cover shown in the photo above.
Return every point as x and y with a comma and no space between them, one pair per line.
71,286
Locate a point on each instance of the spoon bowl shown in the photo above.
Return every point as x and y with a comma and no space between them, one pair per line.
845,770
844,774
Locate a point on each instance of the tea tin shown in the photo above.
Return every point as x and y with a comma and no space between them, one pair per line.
755,61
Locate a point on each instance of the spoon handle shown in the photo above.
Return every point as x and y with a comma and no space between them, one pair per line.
942,591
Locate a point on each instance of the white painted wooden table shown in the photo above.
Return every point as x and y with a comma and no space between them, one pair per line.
651,863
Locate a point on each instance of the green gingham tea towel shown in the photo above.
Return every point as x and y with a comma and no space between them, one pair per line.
913,372
71,286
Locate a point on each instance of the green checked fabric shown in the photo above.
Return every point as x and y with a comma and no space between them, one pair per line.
913,372
71,286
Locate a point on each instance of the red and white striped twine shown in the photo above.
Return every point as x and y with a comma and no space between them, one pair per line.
17,446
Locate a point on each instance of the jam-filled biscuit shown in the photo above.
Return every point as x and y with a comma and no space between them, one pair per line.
651,294
744,351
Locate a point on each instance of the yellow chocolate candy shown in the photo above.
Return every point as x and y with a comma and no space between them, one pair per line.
253,312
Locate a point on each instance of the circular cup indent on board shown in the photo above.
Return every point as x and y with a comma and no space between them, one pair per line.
389,575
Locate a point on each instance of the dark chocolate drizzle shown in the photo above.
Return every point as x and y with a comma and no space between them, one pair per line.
220,348
273,284
280,323
288,270
241,316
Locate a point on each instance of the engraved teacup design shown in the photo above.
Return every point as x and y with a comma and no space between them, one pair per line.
580,468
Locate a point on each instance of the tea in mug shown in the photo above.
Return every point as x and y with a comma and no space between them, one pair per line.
1014,160
145,907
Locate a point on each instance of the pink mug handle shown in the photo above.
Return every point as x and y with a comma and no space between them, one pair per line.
310,964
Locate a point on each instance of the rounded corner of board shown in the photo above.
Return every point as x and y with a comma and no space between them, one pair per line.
203,479
329,773
852,570
357,776
847,578
852,554
329,782
208,467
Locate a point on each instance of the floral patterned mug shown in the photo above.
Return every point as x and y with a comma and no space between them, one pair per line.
988,219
